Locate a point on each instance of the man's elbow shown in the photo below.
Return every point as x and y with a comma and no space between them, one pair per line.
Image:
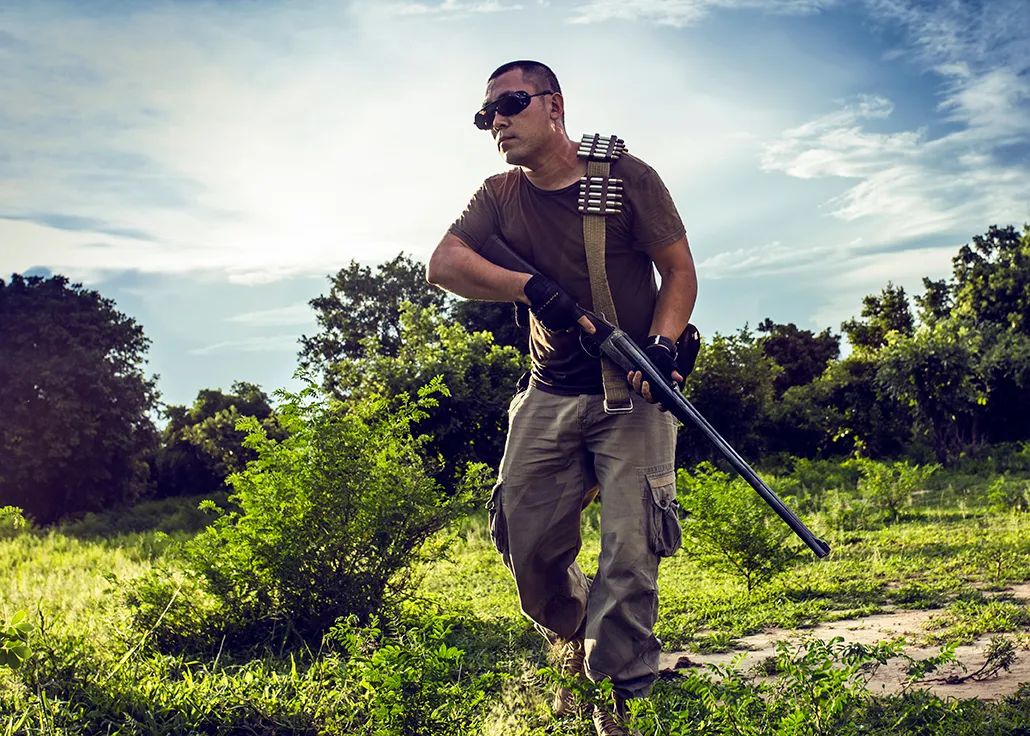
435,268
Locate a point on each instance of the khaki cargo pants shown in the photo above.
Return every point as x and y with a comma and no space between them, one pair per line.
558,449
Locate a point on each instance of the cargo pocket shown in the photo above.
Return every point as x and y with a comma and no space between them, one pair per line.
498,524
664,533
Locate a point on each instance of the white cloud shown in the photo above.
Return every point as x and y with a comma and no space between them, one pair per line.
681,13
955,32
262,344
836,145
869,273
295,314
911,184
771,259
995,104
266,149
447,8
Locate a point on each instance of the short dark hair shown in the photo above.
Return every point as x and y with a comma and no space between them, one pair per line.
541,74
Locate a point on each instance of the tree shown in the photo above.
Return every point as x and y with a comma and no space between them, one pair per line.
935,302
991,283
497,318
967,375
801,354
75,434
470,423
732,386
844,411
939,375
888,312
201,446
361,304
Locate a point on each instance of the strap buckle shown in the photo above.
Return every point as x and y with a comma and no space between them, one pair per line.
609,409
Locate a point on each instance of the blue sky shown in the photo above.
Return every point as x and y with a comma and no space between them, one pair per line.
207,164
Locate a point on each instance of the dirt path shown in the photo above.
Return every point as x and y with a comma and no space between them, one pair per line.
871,629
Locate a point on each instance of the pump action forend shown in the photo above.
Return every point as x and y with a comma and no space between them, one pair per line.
625,353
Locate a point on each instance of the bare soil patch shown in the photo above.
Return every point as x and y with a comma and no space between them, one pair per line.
890,678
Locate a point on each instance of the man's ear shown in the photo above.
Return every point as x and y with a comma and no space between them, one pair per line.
557,106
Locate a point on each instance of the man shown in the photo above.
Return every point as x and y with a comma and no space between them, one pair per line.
562,444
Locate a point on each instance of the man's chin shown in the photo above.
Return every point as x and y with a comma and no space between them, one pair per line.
512,157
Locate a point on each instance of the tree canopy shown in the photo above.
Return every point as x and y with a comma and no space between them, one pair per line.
363,303
75,430
201,446
480,376
801,354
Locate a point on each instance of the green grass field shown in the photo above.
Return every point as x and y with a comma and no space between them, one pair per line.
458,658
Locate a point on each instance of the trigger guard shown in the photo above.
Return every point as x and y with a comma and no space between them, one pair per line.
590,345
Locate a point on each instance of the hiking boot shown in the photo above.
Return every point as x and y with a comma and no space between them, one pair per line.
613,722
570,664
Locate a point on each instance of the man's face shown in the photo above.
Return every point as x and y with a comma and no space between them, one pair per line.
518,136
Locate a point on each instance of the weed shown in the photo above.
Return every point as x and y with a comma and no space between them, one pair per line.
13,522
14,640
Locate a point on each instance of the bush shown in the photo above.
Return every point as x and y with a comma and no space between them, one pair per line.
845,511
731,526
480,377
329,520
888,487
1008,494
821,689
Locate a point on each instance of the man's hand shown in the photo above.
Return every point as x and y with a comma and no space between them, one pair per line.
662,353
553,307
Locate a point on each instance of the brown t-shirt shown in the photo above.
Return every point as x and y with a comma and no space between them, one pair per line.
546,229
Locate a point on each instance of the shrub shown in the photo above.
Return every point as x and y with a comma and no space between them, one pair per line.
1008,494
845,511
329,520
731,526
888,487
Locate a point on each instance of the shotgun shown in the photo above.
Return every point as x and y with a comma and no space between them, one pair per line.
625,353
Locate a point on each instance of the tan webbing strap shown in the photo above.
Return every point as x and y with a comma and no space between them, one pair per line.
601,195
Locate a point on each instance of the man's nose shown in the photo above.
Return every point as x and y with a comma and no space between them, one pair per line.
500,123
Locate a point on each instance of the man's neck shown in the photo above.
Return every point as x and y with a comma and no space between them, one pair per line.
558,168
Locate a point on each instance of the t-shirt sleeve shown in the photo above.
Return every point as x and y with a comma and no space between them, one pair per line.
479,220
655,219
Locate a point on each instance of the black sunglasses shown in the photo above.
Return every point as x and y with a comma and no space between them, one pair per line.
508,104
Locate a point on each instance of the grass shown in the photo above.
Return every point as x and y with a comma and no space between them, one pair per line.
92,672
942,550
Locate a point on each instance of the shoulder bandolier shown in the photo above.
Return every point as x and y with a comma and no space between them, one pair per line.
600,196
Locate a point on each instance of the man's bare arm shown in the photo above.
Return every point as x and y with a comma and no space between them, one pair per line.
678,291
676,298
454,266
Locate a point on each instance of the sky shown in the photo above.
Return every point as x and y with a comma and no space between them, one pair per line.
208,164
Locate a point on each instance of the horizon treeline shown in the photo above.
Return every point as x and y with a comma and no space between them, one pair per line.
935,377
